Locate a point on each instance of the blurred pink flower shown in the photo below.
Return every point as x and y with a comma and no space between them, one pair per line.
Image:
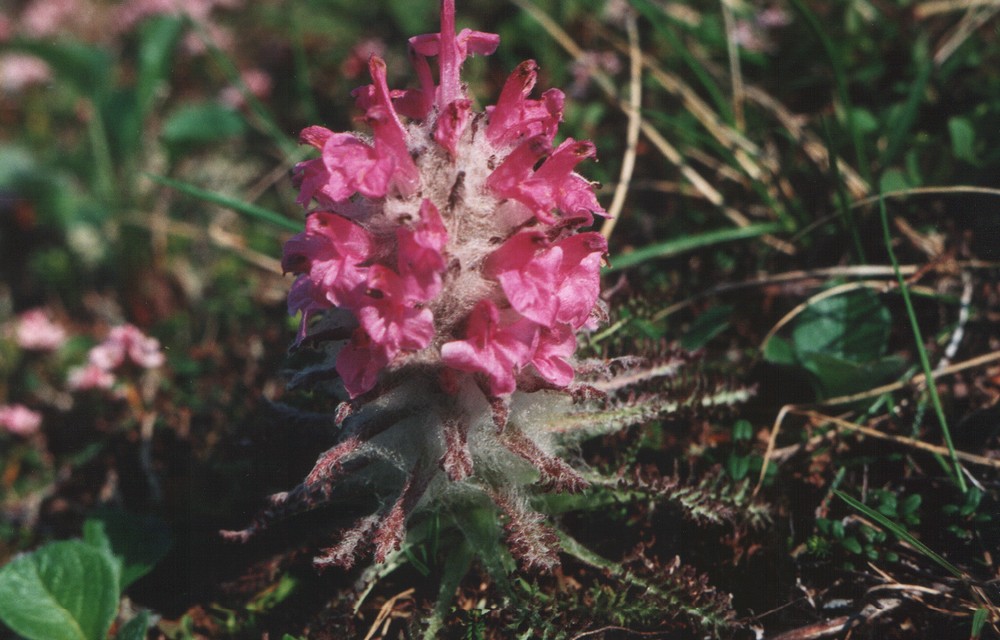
257,82
46,18
356,62
19,419
35,331
90,376
19,71
127,341
6,28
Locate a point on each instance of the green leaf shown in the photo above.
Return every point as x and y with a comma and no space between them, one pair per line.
900,533
963,139
63,591
839,377
854,326
139,542
158,37
851,544
737,466
779,351
201,124
743,430
707,326
135,629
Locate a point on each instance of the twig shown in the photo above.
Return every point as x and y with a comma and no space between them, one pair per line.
386,611
634,126
918,379
903,440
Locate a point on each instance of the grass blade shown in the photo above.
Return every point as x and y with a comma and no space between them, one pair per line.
901,533
252,210
925,362
689,243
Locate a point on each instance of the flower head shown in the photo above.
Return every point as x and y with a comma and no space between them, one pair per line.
35,331
19,419
442,219
124,343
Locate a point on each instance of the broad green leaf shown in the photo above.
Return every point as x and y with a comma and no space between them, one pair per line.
138,541
963,139
894,180
839,377
854,326
201,124
158,38
63,591
779,351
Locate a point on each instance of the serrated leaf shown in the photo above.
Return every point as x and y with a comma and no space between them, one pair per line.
63,591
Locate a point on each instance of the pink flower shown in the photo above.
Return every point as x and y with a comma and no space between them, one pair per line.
127,341
421,252
553,186
90,376
45,18
390,316
491,348
516,118
452,51
20,71
329,257
359,363
36,332
550,282
430,226
20,420
257,82
553,353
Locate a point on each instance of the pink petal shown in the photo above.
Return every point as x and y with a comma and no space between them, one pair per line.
515,117
451,123
551,187
421,252
330,251
528,270
492,349
580,275
555,347
390,319
452,51
393,156
359,363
